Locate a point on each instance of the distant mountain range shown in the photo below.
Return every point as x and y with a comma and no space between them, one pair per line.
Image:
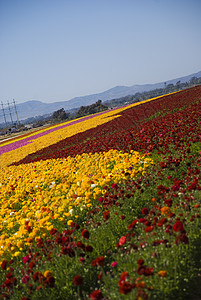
35,108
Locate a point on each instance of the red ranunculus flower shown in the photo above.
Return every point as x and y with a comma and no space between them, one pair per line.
4,264
122,240
32,264
149,271
50,281
88,248
178,226
85,234
149,228
124,275
125,287
53,231
141,269
96,295
145,211
100,261
78,280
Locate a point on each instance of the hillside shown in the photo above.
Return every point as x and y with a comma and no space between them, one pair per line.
35,108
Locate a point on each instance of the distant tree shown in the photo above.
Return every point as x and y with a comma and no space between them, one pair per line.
193,80
91,109
60,115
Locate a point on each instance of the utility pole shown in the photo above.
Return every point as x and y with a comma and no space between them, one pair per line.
18,123
10,113
4,114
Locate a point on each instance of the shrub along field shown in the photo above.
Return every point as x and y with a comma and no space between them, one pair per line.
106,206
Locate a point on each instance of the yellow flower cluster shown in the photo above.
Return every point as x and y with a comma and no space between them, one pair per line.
36,197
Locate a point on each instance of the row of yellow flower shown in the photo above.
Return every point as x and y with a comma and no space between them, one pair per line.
35,196
58,135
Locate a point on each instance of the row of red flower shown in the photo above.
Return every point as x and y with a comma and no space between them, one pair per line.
132,131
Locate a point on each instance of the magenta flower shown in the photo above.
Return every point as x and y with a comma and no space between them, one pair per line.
25,279
26,259
114,264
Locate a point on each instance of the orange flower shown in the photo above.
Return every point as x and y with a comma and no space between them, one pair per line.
165,210
48,274
162,273
140,284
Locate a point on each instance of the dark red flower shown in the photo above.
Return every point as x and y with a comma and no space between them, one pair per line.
178,226
88,248
132,225
4,264
85,234
142,220
145,211
100,275
124,275
141,269
32,264
149,228
168,202
75,225
78,280
80,245
37,276
182,238
106,215
100,261
96,295
162,222
53,231
140,261
149,271
125,287
68,250
50,281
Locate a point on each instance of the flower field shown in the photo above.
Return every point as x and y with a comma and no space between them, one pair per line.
106,206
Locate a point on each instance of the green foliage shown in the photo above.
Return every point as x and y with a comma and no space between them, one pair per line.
91,109
60,115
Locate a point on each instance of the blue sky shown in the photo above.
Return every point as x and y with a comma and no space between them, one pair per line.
54,50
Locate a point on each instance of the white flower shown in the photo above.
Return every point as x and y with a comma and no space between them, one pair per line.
71,211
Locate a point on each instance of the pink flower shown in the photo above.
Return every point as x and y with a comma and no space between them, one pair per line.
114,264
26,259
25,279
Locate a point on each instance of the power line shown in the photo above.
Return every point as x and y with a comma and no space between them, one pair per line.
18,123
10,111
4,113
